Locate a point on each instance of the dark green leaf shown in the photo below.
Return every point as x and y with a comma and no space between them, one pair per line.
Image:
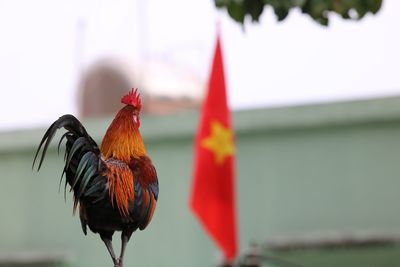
254,8
319,10
236,11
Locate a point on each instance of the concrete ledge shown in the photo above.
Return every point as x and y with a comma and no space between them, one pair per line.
26,258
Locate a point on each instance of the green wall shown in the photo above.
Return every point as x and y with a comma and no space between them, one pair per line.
301,171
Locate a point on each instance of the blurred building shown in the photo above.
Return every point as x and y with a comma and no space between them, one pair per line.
165,89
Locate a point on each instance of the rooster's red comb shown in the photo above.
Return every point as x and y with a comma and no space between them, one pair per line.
132,98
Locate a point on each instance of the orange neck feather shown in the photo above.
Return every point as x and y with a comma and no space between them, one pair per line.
120,182
122,140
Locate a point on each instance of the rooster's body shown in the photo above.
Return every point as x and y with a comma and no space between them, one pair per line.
116,186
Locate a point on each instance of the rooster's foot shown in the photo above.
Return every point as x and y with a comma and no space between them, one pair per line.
118,263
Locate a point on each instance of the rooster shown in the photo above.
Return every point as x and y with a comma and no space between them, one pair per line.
114,186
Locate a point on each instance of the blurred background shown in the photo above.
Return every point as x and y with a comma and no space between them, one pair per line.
316,112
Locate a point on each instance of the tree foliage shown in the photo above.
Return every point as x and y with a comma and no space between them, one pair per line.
318,10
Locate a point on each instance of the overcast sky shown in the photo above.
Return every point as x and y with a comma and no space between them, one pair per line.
45,44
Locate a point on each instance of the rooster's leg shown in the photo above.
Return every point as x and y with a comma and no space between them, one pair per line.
124,240
125,236
107,239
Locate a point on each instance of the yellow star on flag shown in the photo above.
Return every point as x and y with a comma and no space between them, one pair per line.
220,142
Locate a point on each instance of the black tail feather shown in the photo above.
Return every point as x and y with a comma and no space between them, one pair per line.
73,127
61,140
82,155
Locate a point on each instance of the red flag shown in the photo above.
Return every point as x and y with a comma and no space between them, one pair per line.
213,197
